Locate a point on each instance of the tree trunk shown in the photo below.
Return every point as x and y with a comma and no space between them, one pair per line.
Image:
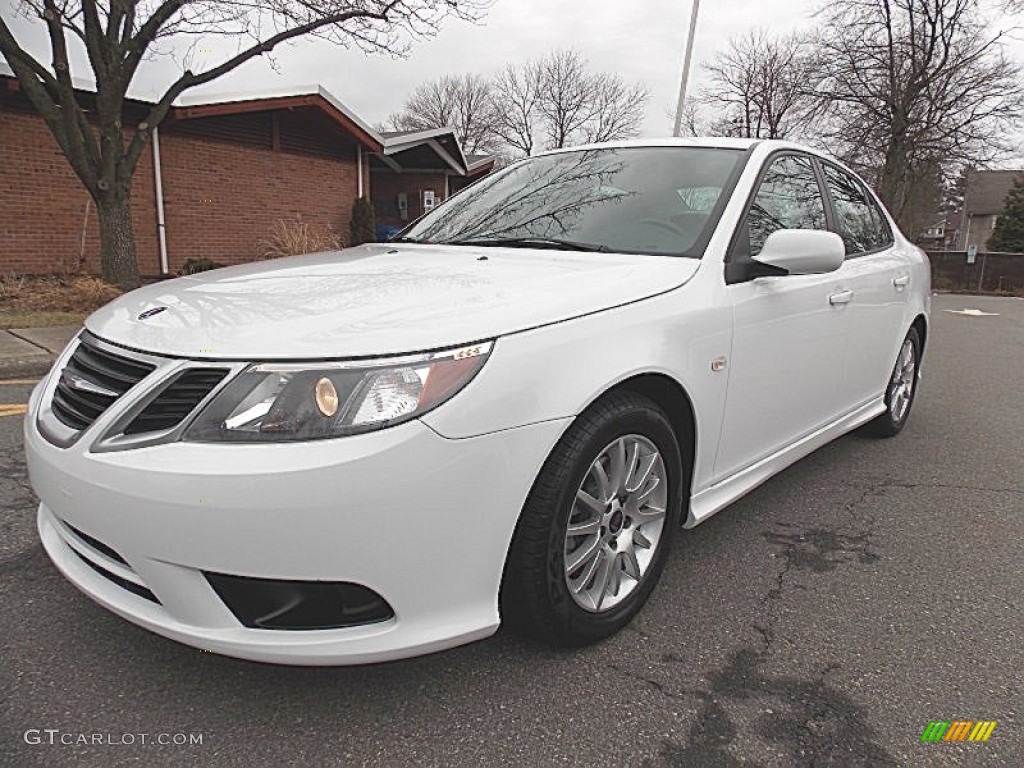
117,242
892,183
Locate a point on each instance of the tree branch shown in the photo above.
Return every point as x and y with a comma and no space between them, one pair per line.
189,80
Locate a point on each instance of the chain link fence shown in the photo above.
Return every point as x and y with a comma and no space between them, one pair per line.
1001,273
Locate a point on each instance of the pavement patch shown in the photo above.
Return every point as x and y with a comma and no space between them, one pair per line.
804,721
820,549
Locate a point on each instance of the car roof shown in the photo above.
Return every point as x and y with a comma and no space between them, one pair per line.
715,142
689,141
712,142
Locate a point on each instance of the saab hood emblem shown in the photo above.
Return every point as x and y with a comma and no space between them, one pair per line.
151,312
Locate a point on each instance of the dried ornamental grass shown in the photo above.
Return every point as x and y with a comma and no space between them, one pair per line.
293,237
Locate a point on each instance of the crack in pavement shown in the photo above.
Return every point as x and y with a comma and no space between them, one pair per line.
16,492
657,685
819,549
806,717
815,722
958,487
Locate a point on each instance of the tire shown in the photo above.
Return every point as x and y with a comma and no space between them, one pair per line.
536,596
901,389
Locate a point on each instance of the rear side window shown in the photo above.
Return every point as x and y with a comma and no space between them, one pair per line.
788,198
861,224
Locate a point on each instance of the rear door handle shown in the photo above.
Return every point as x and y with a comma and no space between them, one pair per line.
901,282
842,297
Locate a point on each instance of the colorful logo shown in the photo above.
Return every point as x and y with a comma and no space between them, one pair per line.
959,730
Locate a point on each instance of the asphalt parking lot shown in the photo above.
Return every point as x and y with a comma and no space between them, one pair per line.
824,620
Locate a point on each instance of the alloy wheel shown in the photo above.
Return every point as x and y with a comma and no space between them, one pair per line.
901,388
616,523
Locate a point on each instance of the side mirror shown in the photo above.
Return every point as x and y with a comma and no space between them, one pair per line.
803,251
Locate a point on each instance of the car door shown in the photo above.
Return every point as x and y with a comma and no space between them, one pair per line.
789,331
878,273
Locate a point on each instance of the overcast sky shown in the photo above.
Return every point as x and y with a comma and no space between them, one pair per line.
642,40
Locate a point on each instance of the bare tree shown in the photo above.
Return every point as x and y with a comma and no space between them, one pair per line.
758,86
118,35
618,109
700,118
693,123
907,87
565,101
552,102
516,91
578,105
462,102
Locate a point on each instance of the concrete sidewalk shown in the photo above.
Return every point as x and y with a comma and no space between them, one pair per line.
31,351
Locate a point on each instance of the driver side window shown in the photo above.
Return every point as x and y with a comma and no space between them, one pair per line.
789,198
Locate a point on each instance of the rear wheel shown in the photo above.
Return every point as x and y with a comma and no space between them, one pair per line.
597,526
899,394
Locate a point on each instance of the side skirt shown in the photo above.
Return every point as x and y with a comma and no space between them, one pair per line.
717,497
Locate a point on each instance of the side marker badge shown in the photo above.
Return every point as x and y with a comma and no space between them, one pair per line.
718,364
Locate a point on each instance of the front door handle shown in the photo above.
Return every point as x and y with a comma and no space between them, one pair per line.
901,282
843,297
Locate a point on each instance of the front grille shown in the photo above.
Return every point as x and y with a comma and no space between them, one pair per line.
91,381
177,400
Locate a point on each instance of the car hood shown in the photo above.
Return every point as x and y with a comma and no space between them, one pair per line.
377,299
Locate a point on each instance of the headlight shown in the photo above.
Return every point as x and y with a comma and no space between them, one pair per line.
272,402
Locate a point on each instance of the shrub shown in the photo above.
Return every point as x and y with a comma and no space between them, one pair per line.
51,293
294,237
362,224
89,293
192,266
11,286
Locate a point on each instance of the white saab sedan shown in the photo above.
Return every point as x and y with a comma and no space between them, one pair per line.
505,414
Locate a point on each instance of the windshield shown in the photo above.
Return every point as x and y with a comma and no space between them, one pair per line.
658,200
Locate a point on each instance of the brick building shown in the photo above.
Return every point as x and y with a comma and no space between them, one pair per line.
230,169
477,166
417,170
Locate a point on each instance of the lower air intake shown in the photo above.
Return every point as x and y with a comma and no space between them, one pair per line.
299,605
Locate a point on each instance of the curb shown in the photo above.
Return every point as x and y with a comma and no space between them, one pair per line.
30,365
29,352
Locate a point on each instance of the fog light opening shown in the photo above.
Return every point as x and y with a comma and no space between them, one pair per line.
299,605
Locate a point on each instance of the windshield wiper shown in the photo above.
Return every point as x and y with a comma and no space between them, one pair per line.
531,242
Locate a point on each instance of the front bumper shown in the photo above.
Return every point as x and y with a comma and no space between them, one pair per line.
422,520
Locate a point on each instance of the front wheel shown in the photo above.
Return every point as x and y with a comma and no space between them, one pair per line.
596,529
899,394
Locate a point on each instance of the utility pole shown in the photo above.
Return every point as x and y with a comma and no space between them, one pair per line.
686,70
